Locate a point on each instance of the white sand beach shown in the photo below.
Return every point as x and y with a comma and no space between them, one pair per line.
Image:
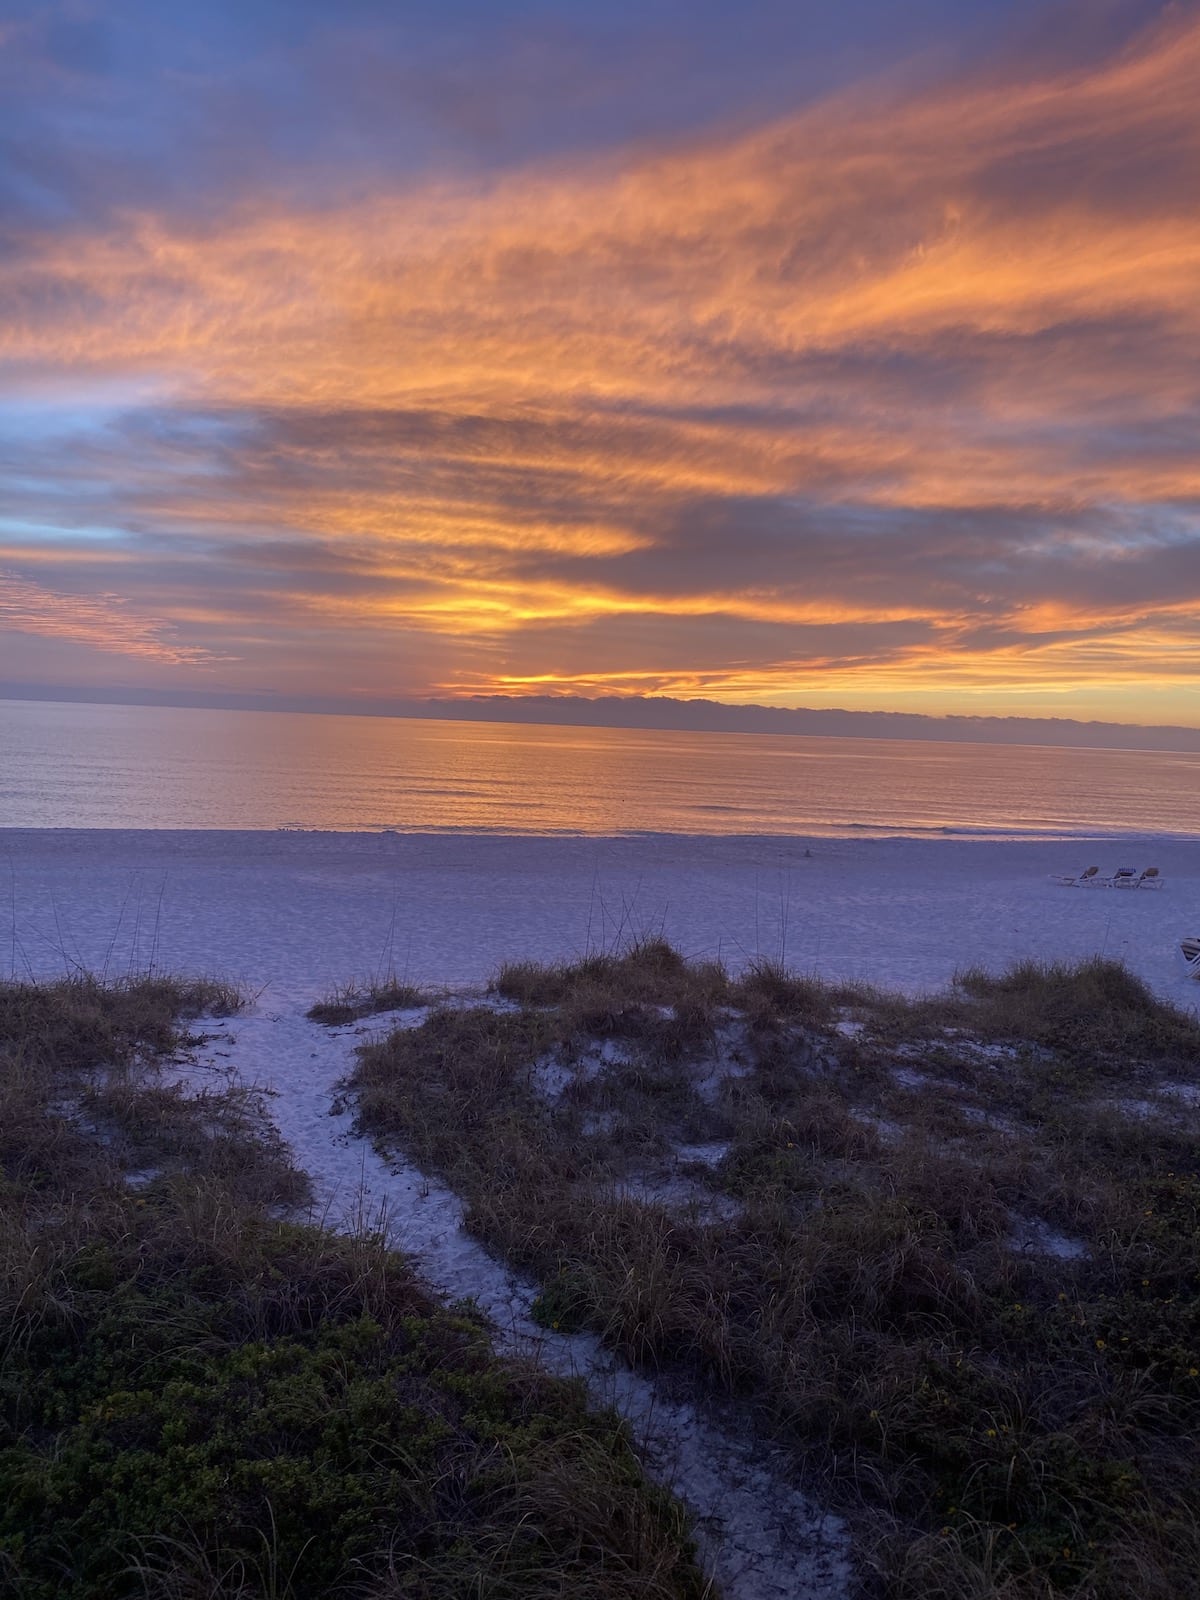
290,915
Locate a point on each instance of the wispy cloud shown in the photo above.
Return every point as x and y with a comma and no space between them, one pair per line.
892,398
104,622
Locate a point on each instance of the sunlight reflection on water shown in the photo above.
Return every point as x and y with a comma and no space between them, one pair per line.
92,766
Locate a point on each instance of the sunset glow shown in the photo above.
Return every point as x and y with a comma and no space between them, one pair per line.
887,398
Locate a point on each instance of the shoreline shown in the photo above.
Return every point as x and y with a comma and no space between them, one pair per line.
851,835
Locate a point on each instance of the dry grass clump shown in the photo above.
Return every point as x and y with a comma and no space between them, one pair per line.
768,990
199,1397
351,1002
76,1041
648,995
650,972
1096,1016
960,1275
79,1021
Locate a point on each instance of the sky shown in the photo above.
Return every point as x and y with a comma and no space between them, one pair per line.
776,353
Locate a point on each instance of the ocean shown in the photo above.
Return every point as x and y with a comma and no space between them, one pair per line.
105,766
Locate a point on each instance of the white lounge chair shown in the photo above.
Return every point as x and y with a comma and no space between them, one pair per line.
1130,878
1122,878
1085,877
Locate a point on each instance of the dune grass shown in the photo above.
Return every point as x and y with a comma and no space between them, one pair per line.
350,1002
956,1260
201,1398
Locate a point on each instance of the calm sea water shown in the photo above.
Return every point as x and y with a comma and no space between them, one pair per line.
82,766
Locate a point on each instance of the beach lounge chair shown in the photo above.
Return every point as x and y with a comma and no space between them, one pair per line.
1083,877
1130,878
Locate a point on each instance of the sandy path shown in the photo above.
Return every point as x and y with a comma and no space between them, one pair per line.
760,1538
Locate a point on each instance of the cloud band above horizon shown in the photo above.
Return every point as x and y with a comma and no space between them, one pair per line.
891,401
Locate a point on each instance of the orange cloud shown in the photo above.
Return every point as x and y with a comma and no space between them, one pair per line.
105,622
956,331
643,279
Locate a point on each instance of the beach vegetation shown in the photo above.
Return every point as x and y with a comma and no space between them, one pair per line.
201,1395
351,1002
946,1250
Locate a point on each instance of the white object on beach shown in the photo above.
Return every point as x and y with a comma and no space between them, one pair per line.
302,911
1088,875
1149,879
1122,878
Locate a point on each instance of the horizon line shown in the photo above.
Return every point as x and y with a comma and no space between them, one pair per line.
657,713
